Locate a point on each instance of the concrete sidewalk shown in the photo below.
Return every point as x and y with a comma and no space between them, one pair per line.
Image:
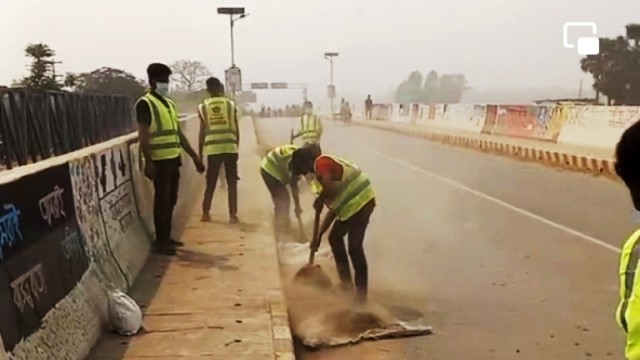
221,297
591,160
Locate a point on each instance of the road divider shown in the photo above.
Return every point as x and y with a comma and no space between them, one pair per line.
572,137
73,228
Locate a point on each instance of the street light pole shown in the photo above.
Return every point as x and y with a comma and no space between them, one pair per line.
233,58
329,56
233,72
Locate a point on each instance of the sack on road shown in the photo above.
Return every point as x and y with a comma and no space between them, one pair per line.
124,314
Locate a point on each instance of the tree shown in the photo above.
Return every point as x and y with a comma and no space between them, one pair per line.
409,90
447,89
451,88
106,80
616,70
188,73
430,89
42,68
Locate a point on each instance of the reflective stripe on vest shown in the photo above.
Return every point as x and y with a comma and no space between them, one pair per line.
353,191
310,128
163,131
277,161
220,137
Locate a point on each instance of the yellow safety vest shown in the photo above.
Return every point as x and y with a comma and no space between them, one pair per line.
353,192
220,136
628,311
163,132
276,162
310,128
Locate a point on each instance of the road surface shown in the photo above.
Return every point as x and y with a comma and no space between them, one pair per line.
506,259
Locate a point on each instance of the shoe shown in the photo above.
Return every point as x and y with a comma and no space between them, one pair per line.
165,250
206,217
177,243
360,299
233,219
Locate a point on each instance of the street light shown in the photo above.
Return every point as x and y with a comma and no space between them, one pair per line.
332,89
231,11
233,75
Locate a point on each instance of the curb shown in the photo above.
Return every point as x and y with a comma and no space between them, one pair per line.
553,158
280,328
281,336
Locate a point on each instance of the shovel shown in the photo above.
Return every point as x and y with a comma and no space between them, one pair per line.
312,274
316,229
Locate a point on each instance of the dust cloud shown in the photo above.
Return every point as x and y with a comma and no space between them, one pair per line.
321,313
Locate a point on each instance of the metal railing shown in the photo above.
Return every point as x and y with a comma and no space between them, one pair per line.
36,124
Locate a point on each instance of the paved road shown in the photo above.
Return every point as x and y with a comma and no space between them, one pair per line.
508,260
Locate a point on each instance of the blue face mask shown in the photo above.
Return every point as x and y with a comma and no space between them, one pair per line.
162,88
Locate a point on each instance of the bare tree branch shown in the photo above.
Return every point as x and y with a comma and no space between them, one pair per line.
188,73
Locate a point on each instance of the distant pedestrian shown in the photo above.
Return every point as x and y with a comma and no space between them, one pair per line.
368,107
310,125
162,141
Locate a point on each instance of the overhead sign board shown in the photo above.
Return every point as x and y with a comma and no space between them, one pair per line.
246,97
262,85
279,85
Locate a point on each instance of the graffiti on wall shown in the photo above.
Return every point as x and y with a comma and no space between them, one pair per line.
118,207
85,190
43,252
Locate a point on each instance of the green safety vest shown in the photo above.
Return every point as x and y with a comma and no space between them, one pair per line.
353,192
220,136
276,162
163,132
310,128
628,311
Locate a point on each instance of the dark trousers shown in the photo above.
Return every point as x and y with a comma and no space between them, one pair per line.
280,197
165,183
355,228
215,162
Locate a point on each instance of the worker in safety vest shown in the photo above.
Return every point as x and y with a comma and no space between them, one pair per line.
348,194
628,312
219,139
277,174
310,125
161,141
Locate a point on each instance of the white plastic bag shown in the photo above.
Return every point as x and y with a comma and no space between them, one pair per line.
124,313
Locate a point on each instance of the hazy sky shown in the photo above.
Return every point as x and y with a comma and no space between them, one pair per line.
495,43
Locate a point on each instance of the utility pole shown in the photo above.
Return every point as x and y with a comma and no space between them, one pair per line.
580,90
331,89
233,77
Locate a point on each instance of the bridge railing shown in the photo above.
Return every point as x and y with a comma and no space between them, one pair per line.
36,124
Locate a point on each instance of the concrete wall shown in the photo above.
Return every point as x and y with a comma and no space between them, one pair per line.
576,125
62,252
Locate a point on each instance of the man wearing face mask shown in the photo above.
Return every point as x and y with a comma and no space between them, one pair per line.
310,125
628,311
161,142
